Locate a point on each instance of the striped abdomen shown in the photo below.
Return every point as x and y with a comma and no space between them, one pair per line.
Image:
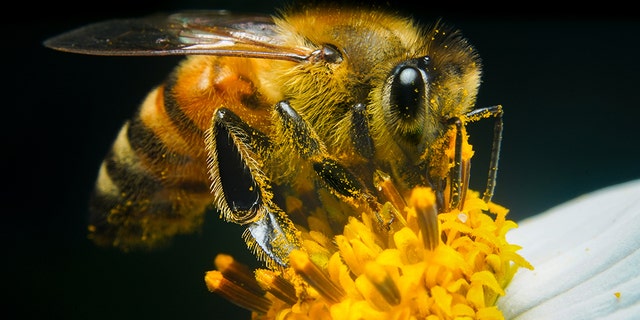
153,183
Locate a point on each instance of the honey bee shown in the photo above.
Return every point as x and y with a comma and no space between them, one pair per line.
269,117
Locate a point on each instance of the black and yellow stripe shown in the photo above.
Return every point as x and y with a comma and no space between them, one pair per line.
148,189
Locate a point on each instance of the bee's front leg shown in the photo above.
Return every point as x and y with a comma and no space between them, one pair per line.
242,191
359,133
338,178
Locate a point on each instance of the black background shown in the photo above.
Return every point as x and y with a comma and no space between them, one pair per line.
568,82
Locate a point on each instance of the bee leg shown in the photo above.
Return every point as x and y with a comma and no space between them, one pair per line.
364,146
340,180
458,180
242,191
495,112
495,157
459,174
360,135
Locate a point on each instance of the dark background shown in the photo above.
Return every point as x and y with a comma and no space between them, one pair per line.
568,82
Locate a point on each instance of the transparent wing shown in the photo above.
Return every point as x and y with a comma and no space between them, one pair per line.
184,33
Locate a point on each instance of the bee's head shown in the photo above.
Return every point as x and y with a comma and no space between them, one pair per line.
422,93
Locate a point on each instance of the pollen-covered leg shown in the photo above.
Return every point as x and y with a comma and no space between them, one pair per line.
496,113
234,167
242,191
460,171
338,178
359,133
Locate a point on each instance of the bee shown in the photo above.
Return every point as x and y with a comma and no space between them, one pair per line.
269,117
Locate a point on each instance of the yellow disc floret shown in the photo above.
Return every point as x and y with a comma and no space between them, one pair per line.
395,274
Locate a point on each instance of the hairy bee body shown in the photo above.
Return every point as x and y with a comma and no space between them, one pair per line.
154,181
266,112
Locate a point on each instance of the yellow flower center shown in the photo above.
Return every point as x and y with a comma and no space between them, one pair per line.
371,273
403,262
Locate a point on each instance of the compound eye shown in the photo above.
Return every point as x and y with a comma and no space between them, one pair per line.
408,92
406,97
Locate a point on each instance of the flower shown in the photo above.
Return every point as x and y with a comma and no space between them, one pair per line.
368,272
587,258
407,260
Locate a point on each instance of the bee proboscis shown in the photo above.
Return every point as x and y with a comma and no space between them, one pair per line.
266,111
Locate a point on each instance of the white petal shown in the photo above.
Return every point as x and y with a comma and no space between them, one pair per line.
585,252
